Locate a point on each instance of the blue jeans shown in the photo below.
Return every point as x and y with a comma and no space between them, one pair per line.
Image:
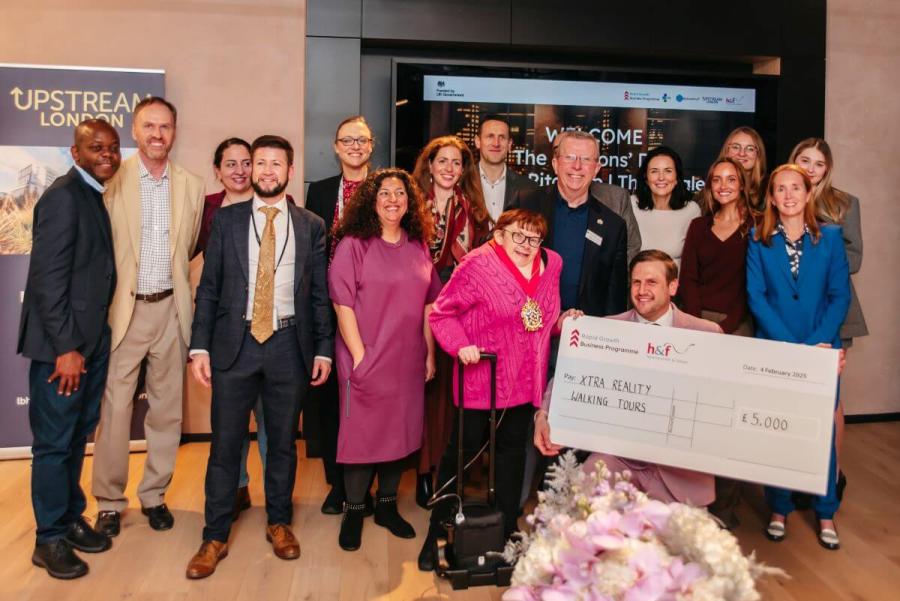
60,425
260,442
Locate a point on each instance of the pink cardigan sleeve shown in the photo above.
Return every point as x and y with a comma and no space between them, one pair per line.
452,303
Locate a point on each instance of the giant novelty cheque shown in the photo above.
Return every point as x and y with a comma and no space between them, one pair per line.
745,408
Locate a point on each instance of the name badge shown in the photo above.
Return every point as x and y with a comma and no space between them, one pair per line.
594,237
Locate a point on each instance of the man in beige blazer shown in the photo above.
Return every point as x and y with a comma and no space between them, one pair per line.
155,208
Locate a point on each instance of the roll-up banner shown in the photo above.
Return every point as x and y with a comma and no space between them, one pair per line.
40,105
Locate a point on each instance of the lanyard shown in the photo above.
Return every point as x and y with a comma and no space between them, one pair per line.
287,235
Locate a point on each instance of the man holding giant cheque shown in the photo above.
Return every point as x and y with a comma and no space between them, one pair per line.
682,405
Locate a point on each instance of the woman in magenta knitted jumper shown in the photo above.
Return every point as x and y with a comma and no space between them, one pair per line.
502,298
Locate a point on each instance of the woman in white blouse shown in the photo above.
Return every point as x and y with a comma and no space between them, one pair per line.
662,203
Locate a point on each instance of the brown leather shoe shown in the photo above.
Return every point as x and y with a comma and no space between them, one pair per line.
283,542
204,562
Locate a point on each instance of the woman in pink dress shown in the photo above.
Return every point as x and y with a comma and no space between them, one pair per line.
502,298
382,283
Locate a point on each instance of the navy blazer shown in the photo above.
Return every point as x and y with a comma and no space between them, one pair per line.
602,289
72,274
220,314
810,309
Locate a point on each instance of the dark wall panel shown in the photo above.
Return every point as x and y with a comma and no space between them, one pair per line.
801,103
334,18
457,21
375,104
708,27
802,25
332,93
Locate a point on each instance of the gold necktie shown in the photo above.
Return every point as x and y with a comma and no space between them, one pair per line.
264,293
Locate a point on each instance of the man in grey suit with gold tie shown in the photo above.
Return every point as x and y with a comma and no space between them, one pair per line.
262,329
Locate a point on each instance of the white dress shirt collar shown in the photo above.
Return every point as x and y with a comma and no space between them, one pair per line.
666,320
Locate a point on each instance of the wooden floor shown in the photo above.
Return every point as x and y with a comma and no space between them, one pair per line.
144,565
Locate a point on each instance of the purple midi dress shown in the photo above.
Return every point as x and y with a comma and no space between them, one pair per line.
382,400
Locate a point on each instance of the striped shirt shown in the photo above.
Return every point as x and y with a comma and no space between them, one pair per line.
155,266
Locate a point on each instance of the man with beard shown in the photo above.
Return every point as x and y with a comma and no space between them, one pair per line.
654,282
155,208
262,329
64,332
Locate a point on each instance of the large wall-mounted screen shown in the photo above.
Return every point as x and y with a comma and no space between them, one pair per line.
630,113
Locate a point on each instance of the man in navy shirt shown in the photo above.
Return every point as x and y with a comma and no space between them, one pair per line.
589,236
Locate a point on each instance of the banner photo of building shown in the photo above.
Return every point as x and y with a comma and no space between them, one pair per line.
39,107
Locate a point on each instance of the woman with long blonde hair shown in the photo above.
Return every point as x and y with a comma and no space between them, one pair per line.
745,145
840,208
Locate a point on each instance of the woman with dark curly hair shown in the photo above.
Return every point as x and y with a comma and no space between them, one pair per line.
662,204
382,283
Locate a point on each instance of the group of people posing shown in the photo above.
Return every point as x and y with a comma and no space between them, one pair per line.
356,308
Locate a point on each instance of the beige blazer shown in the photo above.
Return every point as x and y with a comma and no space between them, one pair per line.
123,201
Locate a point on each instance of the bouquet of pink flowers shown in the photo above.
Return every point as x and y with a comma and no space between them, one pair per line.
595,537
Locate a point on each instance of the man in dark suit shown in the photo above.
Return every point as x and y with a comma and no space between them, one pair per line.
619,200
262,329
589,236
64,332
499,184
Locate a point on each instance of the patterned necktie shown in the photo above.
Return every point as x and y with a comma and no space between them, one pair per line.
264,293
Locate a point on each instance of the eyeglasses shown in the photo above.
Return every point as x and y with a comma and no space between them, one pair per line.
520,238
348,141
737,148
571,158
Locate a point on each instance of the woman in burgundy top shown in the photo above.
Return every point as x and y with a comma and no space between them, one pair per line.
231,163
713,277
447,173
327,198
713,271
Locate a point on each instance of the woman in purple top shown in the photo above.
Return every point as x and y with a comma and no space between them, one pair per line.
382,283
502,298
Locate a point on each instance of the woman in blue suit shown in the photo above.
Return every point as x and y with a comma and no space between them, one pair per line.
798,287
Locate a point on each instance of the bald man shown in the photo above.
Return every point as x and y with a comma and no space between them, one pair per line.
64,332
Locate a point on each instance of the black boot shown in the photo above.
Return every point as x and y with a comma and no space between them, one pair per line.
387,516
59,560
350,537
334,502
427,560
424,489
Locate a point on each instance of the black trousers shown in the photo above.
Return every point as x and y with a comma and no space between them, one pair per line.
321,421
273,372
60,425
509,463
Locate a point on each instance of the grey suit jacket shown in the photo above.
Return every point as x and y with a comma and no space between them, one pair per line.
855,322
619,200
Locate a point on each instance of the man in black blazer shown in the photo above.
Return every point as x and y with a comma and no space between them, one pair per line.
64,331
262,329
589,236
